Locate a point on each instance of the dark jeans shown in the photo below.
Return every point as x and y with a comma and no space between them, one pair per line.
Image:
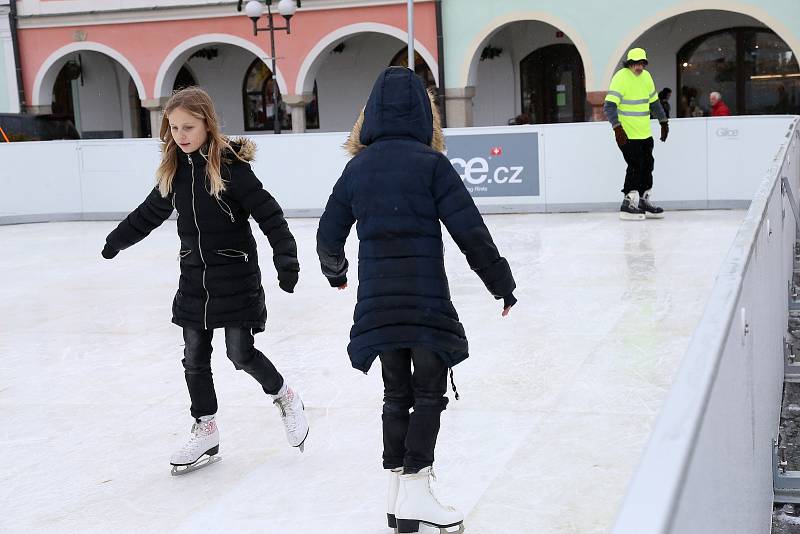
409,439
638,154
197,366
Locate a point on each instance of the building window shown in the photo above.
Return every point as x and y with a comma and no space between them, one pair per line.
63,105
420,67
184,79
312,111
753,69
552,86
259,108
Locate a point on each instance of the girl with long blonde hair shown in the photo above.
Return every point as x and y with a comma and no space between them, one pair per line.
207,179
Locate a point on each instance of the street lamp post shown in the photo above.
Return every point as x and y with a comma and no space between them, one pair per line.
411,58
254,9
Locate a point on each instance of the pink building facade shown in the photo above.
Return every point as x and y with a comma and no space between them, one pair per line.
128,61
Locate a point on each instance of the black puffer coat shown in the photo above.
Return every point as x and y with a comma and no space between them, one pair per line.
220,282
397,188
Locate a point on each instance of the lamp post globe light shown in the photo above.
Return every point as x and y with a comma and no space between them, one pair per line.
254,9
287,8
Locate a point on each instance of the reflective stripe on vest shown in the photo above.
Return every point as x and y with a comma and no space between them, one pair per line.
633,95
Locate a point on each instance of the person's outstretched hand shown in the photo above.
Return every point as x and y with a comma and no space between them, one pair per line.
287,280
343,286
508,302
108,252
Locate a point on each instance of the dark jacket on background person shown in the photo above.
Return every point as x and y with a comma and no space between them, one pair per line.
664,99
397,188
666,107
220,281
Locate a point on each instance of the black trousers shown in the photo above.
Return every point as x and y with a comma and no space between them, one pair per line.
197,366
638,154
410,438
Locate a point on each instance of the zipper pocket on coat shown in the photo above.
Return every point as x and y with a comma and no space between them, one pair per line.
225,208
232,253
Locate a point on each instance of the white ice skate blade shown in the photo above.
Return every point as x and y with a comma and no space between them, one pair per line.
654,215
631,216
203,461
302,445
446,530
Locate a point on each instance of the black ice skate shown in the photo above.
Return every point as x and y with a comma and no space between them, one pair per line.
200,451
651,211
630,209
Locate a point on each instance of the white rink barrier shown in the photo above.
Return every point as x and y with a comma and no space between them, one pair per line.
705,163
707,468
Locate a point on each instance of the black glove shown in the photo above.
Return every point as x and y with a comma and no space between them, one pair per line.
664,131
287,280
338,281
622,137
509,301
109,252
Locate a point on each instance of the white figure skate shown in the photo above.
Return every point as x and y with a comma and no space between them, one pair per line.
391,498
200,451
293,416
417,504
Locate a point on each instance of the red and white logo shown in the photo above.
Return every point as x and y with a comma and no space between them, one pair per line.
496,151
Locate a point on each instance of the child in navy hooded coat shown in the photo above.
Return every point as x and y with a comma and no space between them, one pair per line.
397,188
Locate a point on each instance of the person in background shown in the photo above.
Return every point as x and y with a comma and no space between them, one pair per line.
630,101
663,96
718,107
522,118
783,100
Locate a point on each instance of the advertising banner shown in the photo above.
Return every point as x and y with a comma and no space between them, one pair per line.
498,164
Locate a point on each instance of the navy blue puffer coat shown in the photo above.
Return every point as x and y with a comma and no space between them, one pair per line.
397,188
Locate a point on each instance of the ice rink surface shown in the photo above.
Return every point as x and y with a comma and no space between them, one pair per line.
557,400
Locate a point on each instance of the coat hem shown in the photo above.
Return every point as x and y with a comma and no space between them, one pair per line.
451,359
256,326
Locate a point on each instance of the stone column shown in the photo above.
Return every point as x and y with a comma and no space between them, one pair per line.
297,105
39,110
597,100
8,76
156,108
458,101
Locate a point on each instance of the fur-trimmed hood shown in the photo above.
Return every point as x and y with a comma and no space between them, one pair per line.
399,106
244,147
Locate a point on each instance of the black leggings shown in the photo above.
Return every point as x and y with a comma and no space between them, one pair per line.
409,439
240,349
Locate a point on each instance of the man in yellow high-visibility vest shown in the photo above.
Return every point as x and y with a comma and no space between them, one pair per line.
629,102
